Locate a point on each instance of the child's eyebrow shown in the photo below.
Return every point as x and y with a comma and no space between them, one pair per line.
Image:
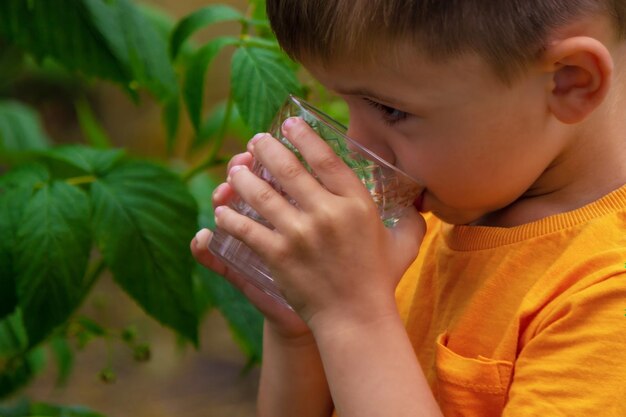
377,97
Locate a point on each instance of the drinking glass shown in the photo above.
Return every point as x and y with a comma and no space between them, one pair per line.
392,190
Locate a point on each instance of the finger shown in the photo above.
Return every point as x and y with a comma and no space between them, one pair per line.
244,158
265,302
263,241
223,195
331,170
200,250
285,168
262,197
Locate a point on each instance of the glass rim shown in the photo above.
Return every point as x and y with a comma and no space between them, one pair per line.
325,118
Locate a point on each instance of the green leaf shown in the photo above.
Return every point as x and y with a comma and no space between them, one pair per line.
258,11
16,188
15,373
144,219
50,410
90,126
160,19
13,338
106,39
80,46
64,358
84,160
171,120
193,89
20,128
211,126
91,326
147,52
204,17
9,200
261,82
52,250
19,370
11,64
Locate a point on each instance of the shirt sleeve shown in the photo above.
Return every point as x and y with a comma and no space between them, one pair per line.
575,363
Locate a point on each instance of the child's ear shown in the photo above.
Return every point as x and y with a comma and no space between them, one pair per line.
581,69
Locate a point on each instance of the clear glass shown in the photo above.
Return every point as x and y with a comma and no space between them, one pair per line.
392,190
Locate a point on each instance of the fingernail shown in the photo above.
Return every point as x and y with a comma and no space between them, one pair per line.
255,139
219,191
233,170
289,123
202,238
216,213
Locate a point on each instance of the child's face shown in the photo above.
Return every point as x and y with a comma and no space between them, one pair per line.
475,144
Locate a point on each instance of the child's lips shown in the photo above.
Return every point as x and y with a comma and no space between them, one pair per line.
419,202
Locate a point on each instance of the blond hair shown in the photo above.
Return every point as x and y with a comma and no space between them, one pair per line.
508,34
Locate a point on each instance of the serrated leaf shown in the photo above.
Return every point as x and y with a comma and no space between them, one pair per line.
147,52
16,188
84,159
52,250
197,20
27,175
260,83
80,46
20,128
144,218
193,89
106,39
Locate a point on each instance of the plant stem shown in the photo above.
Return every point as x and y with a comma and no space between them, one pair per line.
209,161
211,158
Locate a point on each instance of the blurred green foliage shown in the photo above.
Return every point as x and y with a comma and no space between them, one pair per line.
70,212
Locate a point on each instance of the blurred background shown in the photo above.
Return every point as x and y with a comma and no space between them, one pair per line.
176,379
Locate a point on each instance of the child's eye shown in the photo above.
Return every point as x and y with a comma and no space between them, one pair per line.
389,114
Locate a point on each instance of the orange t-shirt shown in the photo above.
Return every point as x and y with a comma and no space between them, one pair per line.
523,321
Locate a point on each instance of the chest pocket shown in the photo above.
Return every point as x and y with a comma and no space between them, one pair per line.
470,387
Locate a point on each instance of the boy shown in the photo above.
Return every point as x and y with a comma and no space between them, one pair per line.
511,114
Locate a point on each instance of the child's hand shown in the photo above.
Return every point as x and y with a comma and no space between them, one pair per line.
331,255
282,320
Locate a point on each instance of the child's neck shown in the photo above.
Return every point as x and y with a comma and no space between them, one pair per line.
592,166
